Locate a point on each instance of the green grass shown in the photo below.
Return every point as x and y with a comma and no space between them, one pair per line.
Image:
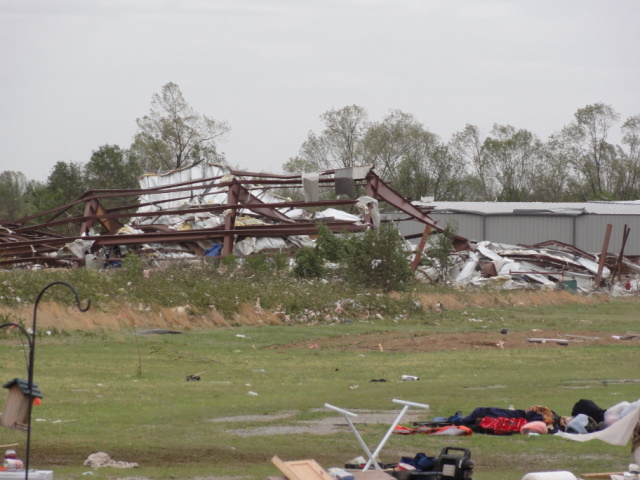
96,400
105,391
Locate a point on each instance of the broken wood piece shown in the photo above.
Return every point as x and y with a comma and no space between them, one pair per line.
583,337
370,475
604,475
301,469
559,341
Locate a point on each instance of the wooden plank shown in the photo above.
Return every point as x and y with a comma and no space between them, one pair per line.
301,469
559,341
605,475
371,475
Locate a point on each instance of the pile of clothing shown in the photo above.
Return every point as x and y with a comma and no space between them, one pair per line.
586,417
506,421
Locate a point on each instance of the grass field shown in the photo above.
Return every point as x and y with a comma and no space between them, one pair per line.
109,390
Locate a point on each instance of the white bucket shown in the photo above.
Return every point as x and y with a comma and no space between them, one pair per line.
559,475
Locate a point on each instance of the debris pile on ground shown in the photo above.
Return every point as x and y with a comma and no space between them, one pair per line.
548,265
203,210
102,459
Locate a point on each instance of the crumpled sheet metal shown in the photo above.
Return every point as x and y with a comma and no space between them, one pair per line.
528,266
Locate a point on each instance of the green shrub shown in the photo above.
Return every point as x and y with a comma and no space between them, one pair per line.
229,261
258,262
308,263
438,253
332,247
132,267
377,259
280,260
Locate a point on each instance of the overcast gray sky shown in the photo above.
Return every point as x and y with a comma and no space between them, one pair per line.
75,74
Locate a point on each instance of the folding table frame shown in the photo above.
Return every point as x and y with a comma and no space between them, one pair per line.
372,456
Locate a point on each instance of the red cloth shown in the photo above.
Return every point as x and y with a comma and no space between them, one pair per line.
502,425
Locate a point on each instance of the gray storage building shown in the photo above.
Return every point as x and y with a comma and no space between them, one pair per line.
582,225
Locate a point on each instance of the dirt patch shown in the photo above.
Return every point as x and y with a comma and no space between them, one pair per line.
127,317
435,342
323,426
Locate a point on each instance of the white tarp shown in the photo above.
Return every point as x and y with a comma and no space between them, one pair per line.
467,270
337,214
617,434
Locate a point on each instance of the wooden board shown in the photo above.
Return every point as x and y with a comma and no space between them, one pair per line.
606,475
301,469
559,341
371,475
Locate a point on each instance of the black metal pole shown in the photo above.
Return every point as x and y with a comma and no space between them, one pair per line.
32,353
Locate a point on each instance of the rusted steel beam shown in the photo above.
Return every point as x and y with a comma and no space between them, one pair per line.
423,242
381,191
27,242
230,220
94,211
247,198
603,255
37,246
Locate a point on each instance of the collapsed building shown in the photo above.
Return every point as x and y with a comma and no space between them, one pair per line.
540,244
210,210
203,210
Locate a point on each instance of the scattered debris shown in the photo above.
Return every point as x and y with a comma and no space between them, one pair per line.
102,459
205,210
158,331
627,336
301,469
546,265
559,341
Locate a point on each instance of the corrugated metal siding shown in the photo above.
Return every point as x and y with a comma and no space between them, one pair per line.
528,229
591,229
586,232
606,208
464,224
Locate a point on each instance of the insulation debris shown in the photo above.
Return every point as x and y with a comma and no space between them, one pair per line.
202,210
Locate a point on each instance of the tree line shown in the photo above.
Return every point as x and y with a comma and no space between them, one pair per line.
576,164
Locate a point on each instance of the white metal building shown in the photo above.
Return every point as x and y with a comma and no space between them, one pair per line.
582,225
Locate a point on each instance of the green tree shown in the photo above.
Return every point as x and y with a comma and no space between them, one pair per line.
428,169
64,184
340,144
110,168
627,181
14,202
590,154
388,143
173,135
554,179
467,146
511,159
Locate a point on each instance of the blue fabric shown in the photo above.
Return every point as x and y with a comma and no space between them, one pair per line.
421,462
214,251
